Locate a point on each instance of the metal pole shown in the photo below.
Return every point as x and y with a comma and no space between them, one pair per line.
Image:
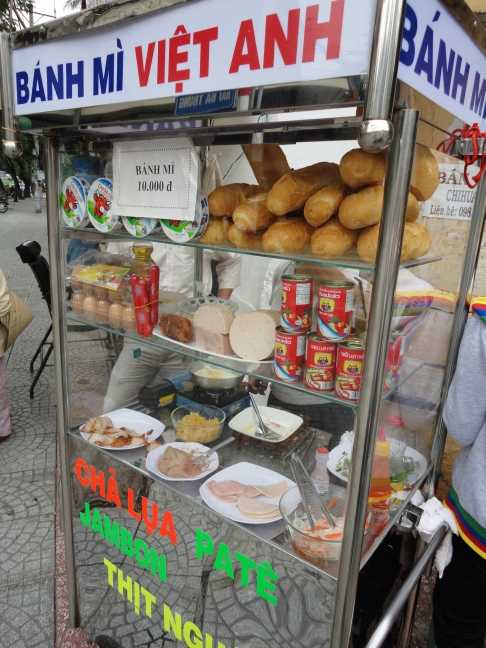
10,145
376,129
395,607
58,290
460,316
408,617
386,272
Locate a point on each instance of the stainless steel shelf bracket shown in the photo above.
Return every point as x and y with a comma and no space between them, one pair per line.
377,129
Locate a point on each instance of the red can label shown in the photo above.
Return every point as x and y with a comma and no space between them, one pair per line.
349,370
320,364
335,311
289,356
296,308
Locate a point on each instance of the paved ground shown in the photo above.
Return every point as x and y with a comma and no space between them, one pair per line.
30,608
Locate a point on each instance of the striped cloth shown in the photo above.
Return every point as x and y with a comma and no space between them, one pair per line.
473,534
478,306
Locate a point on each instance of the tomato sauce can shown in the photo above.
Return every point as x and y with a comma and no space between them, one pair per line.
335,309
349,369
289,356
320,364
296,308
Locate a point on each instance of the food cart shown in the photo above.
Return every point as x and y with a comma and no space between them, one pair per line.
132,99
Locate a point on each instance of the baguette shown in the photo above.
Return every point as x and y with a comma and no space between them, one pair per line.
216,232
321,206
253,215
287,235
364,208
268,163
425,173
223,200
332,240
416,242
292,190
244,240
359,168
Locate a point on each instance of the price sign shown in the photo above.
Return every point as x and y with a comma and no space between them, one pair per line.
155,179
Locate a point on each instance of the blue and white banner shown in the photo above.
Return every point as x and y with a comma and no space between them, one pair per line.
213,45
439,60
193,48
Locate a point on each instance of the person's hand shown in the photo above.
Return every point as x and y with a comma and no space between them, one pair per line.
256,386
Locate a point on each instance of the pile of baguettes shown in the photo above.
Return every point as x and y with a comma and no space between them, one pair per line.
325,209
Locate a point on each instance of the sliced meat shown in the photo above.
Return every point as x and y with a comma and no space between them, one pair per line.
256,508
252,335
273,490
213,342
226,488
214,317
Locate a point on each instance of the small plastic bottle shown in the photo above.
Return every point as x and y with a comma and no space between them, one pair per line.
380,488
319,475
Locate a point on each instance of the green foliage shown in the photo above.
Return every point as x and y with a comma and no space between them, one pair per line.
22,167
20,14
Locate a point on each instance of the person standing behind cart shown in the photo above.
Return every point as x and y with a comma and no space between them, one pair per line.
459,597
138,365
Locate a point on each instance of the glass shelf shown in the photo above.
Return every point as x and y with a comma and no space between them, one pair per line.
350,261
262,456
261,371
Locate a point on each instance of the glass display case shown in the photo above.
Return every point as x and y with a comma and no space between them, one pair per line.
284,278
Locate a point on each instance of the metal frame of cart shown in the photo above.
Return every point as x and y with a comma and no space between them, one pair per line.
375,131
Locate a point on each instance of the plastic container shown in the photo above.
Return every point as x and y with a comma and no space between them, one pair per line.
99,206
139,227
72,201
322,545
203,431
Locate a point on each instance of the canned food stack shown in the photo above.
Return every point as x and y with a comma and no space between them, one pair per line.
329,359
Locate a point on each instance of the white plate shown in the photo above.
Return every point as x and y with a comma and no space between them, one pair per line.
245,473
279,421
154,455
133,420
233,358
343,450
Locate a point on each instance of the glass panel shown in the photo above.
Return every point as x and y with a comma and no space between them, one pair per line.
425,302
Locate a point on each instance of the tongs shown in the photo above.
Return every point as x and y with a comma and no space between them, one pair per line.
312,501
262,430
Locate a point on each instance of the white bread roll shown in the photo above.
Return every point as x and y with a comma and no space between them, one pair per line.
416,242
425,173
244,240
321,206
252,335
287,235
364,208
223,200
292,190
332,240
214,317
359,168
253,215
